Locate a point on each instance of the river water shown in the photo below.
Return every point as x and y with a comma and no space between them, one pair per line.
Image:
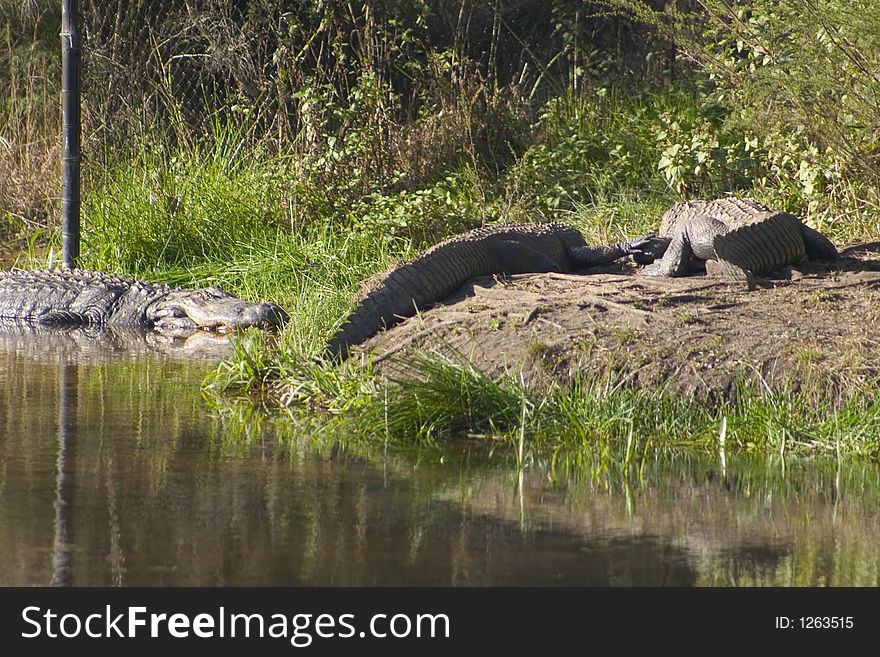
114,471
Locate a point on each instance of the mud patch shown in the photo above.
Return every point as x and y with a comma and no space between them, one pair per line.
815,329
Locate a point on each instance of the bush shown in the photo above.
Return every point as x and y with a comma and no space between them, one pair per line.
799,81
605,142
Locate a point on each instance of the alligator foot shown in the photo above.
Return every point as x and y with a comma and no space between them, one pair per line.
646,248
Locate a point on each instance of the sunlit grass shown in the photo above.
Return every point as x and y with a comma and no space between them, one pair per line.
440,400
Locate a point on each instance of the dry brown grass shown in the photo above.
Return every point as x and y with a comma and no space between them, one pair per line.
29,130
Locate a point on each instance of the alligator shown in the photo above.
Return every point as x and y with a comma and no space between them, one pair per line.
77,297
485,251
745,238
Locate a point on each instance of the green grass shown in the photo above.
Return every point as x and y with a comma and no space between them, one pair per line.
222,210
442,400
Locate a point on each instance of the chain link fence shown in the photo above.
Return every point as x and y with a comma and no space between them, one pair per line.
168,65
178,65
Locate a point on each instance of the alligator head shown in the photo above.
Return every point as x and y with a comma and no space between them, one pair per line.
211,309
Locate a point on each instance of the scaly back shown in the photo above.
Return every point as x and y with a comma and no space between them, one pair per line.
31,295
729,210
444,268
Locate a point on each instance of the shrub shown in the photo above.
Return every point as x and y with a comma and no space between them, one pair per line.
799,81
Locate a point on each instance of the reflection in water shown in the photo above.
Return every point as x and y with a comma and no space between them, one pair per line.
112,472
66,433
97,344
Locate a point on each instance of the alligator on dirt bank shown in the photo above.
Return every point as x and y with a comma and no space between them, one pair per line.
76,297
444,268
746,238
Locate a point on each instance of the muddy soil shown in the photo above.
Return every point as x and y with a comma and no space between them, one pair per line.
814,329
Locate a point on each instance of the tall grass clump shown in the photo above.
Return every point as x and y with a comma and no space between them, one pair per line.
224,214
175,208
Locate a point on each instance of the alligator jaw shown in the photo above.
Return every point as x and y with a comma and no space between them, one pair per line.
211,309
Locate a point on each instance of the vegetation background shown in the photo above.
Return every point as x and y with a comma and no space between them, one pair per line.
289,149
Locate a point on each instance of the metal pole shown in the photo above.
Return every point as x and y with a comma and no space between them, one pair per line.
70,131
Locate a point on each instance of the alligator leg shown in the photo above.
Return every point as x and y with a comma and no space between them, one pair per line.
63,318
518,258
695,239
643,249
648,248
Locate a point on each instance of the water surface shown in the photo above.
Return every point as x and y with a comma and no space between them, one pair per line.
114,472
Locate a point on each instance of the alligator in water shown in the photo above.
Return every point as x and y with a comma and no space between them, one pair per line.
76,297
746,238
444,268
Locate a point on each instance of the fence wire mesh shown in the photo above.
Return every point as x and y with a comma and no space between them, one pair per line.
168,64
178,65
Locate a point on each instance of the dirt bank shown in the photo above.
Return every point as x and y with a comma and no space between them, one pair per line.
815,327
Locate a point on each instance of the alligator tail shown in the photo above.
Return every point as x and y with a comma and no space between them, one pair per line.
817,245
408,289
